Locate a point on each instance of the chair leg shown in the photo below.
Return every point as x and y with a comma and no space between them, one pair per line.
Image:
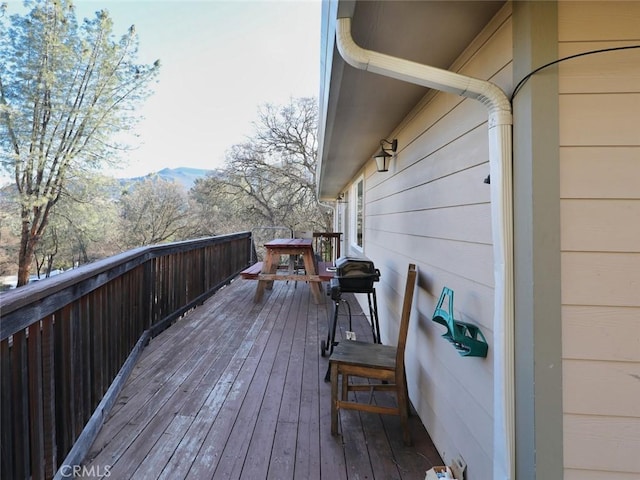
403,407
334,399
406,396
345,387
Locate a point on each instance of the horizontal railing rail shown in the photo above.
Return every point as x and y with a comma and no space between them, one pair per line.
64,341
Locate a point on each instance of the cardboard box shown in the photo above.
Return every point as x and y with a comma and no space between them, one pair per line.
453,472
440,472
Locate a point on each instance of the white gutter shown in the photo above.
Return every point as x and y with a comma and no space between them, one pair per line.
500,153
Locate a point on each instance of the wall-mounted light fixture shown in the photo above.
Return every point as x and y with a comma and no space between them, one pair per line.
383,157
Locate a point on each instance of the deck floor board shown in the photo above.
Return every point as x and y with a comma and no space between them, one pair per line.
236,390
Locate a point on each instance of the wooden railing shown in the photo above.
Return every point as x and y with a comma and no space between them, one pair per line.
66,342
326,245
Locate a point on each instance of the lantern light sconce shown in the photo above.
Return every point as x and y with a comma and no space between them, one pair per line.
383,157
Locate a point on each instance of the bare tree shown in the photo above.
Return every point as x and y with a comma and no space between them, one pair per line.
65,90
154,211
270,179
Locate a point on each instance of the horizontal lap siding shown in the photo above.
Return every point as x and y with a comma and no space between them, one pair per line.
593,224
599,172
433,208
613,326
592,440
600,238
585,376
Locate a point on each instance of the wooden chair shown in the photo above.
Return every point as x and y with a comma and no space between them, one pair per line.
373,361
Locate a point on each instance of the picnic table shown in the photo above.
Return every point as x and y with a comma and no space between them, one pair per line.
266,272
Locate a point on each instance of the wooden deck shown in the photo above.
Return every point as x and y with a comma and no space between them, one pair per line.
236,390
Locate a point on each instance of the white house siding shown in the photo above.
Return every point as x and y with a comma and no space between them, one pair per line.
600,238
433,208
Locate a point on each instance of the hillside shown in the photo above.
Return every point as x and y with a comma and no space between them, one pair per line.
183,175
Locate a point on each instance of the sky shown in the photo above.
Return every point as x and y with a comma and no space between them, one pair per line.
220,61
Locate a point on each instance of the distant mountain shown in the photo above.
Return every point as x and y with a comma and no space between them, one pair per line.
183,175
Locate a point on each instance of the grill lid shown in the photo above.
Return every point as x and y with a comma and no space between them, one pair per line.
356,267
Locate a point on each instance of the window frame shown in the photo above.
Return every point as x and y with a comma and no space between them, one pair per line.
356,237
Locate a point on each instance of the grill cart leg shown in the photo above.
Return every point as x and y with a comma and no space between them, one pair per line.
331,330
373,311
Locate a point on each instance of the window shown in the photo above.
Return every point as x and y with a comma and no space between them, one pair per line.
357,214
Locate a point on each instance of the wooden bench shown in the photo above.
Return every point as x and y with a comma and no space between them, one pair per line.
326,271
254,272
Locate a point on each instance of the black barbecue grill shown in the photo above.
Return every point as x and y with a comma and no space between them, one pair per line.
356,274
353,275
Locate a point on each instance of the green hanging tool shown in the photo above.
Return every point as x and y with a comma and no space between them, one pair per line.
465,337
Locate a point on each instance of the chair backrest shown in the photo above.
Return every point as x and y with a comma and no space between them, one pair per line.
406,313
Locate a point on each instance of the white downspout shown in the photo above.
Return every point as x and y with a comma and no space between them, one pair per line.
500,153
